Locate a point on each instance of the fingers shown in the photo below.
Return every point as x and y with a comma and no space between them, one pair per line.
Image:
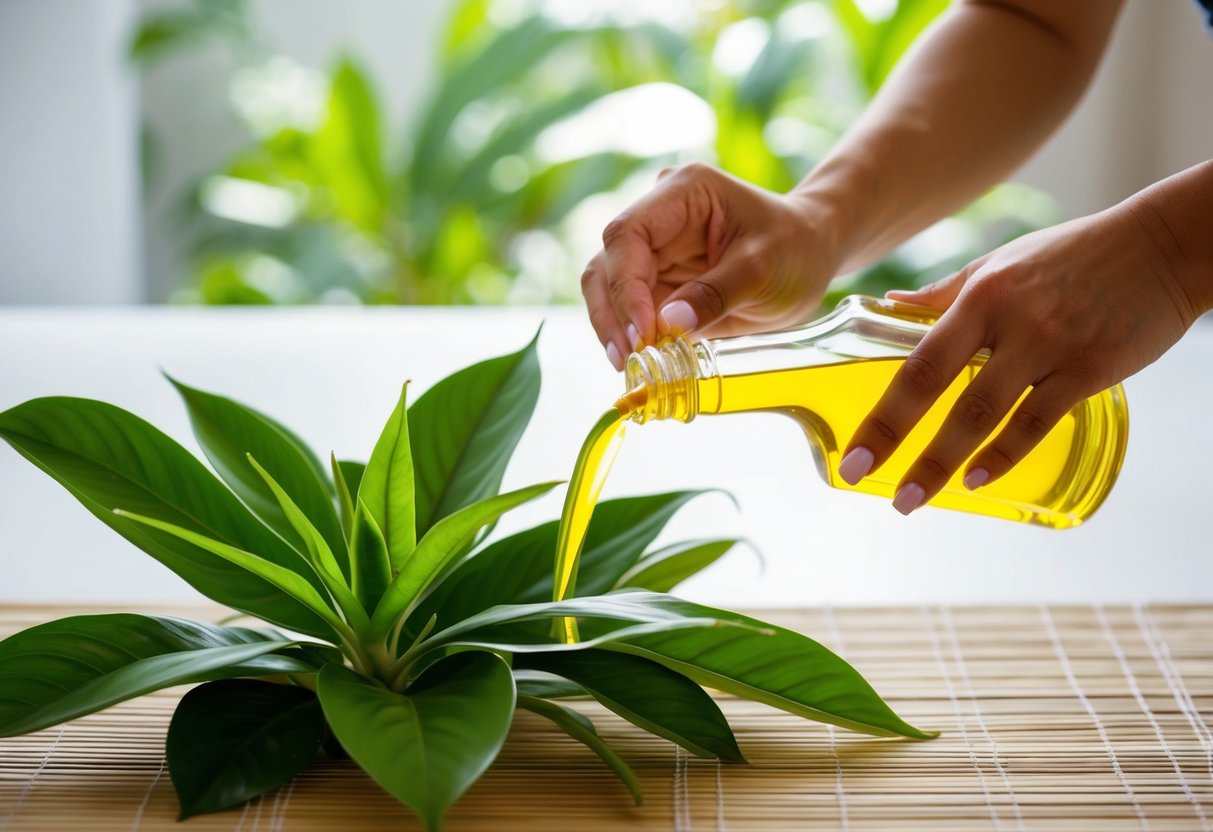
698,304
938,295
923,377
979,409
611,334
1038,414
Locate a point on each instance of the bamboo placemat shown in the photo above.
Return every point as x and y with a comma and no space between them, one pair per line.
1066,718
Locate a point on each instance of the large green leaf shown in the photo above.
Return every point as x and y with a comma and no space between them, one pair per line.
767,664
439,548
289,581
387,487
464,429
234,739
518,569
648,695
580,728
108,458
229,432
65,669
429,745
664,569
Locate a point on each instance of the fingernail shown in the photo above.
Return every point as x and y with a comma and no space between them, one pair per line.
633,337
909,497
614,356
679,316
976,478
856,465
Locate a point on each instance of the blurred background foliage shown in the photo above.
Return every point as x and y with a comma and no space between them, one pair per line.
544,120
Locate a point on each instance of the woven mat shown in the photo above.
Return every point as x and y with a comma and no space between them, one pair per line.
1052,718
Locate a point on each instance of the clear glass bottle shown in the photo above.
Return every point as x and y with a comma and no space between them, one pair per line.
828,374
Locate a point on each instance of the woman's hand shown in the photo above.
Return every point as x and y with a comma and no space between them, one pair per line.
1068,312
706,253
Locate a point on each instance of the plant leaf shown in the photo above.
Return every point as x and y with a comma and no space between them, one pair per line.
767,664
518,569
290,582
319,555
108,458
429,745
464,429
345,501
234,739
346,150
64,669
580,728
352,472
387,486
372,573
545,685
439,548
647,695
229,432
664,569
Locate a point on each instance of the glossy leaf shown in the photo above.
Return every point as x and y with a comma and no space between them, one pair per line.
647,695
543,685
290,582
387,486
234,739
108,458
767,664
345,502
429,745
352,472
65,669
579,727
230,432
518,569
464,429
369,563
664,569
441,545
319,555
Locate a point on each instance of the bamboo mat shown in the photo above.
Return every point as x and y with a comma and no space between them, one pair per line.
1066,718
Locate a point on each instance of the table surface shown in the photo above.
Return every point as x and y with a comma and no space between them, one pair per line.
333,375
1052,718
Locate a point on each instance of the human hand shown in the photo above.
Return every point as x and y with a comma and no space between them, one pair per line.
1067,311
707,253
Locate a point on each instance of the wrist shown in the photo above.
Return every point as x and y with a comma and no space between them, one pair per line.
1173,216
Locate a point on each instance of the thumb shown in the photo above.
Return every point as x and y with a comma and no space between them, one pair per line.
710,297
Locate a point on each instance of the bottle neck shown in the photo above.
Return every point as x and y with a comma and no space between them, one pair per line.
664,380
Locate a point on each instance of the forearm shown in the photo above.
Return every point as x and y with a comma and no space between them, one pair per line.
971,102
1177,216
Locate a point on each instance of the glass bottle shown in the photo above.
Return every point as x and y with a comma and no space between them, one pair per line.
828,374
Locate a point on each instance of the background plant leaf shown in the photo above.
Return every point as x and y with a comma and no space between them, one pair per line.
664,569
65,669
234,739
464,429
108,458
428,746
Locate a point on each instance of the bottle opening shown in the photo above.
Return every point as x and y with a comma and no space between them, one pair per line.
661,382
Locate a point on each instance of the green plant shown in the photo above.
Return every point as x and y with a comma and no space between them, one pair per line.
445,210
399,632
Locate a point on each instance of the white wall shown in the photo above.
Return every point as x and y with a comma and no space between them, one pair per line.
68,154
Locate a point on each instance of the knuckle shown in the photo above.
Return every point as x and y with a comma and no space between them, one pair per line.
616,228
696,170
996,458
711,299
1029,423
930,470
975,411
881,428
921,374
588,277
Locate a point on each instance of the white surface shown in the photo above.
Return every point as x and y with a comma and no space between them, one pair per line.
333,375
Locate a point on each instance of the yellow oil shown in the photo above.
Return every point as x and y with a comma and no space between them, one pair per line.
594,462
1059,484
